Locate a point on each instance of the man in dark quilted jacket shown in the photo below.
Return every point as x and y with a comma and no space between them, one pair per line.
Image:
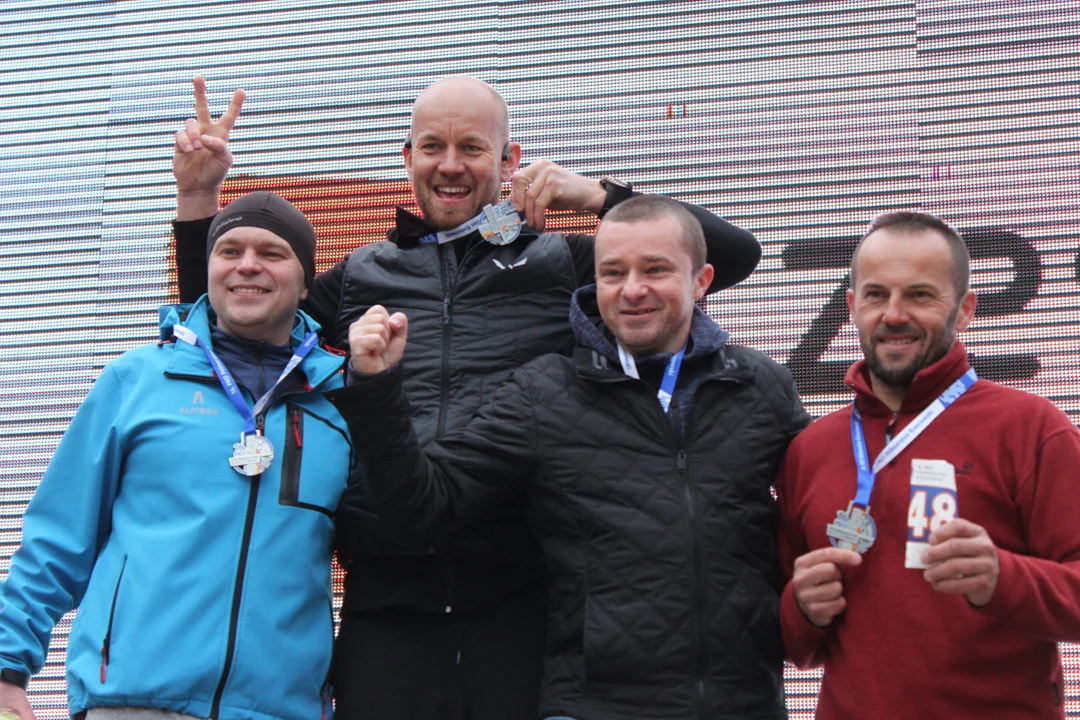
644,464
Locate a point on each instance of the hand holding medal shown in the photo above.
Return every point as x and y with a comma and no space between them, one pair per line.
818,583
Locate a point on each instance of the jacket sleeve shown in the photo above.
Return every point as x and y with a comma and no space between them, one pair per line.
805,644
324,296
732,251
191,257
1039,593
430,492
65,526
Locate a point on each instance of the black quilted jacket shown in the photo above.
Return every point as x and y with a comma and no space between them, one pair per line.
658,531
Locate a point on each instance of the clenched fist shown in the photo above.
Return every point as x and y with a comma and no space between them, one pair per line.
377,340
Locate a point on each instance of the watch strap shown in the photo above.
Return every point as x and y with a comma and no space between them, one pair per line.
617,192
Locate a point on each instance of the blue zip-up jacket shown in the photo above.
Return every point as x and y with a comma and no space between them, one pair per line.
200,590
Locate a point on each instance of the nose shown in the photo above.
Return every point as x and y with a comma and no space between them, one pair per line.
450,162
635,287
249,263
895,311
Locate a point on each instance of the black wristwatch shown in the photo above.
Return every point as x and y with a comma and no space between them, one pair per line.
15,677
617,191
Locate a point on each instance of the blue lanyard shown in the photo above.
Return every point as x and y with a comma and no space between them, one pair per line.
901,441
230,386
498,225
671,374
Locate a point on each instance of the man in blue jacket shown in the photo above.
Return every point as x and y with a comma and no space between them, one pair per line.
188,511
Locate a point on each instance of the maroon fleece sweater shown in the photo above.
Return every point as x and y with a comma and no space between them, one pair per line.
902,650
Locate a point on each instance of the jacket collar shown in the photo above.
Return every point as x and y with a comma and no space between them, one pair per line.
319,365
928,384
597,353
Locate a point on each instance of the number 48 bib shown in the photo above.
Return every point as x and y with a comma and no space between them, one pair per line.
932,504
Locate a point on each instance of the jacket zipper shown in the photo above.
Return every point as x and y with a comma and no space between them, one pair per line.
238,587
294,449
444,380
108,628
698,598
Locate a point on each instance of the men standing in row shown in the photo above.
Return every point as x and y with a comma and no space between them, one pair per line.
645,463
200,565
936,565
453,629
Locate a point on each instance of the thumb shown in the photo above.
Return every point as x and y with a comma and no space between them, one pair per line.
399,334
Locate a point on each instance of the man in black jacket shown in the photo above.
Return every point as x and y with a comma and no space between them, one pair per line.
644,464
450,630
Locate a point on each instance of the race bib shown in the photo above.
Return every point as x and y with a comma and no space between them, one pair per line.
932,503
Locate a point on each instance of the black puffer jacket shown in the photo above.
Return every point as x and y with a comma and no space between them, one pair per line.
658,536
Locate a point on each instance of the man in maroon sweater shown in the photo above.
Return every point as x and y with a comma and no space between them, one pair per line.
930,531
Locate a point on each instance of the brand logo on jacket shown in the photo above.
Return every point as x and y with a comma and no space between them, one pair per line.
502,266
198,406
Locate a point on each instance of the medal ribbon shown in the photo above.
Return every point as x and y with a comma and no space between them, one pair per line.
229,385
504,208
901,441
671,373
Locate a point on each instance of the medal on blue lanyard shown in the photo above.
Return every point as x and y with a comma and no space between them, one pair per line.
854,529
499,225
254,453
671,374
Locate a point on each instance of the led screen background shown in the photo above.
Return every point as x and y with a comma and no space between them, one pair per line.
798,120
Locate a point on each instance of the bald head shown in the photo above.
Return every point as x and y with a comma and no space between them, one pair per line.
460,91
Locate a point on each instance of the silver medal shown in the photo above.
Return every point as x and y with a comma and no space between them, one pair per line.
252,455
853,529
501,225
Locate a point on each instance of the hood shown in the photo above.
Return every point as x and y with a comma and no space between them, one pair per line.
706,337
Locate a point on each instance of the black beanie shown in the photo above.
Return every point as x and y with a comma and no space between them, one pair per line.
271,212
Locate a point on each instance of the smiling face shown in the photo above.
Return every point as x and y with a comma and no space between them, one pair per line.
646,285
459,130
255,284
906,306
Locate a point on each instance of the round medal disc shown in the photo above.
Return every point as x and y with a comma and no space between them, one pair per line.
853,529
252,455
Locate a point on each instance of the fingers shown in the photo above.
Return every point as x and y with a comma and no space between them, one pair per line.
228,118
189,138
836,556
203,121
957,548
202,105
958,528
818,583
377,340
525,185
963,560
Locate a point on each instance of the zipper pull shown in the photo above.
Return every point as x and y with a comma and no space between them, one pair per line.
296,429
681,464
104,660
446,310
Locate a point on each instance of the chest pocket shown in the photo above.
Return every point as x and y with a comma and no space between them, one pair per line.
315,465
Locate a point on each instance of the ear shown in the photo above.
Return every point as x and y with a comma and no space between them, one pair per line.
703,281
406,153
850,294
967,311
510,165
303,294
